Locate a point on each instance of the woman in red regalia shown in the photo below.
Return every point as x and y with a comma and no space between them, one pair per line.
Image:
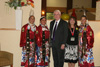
42,50
86,40
28,33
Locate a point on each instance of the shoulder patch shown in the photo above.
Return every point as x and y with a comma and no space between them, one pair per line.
90,33
80,34
36,32
76,28
84,29
23,29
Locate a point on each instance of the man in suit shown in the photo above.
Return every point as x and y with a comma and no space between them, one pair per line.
58,37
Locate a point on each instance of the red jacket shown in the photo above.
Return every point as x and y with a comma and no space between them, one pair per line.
23,35
39,36
90,37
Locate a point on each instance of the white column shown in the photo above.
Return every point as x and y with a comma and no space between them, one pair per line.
98,10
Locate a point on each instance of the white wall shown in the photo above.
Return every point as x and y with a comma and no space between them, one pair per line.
6,15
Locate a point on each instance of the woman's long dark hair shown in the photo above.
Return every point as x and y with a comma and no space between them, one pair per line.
69,25
84,40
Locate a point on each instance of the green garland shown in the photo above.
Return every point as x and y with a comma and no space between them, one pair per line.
15,3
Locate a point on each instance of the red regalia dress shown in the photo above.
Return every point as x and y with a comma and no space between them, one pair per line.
23,43
42,49
86,58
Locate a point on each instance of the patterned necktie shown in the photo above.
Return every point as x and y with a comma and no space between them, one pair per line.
54,31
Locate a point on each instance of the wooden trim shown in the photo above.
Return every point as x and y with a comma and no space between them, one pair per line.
51,9
7,29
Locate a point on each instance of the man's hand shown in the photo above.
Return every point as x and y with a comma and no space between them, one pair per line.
63,46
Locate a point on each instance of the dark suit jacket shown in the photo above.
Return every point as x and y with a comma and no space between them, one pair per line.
60,34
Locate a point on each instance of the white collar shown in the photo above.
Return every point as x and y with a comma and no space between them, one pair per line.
31,24
57,21
42,25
